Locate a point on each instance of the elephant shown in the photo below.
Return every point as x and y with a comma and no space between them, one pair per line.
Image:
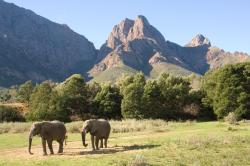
99,129
48,131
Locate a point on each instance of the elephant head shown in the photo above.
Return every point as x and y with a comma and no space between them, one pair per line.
89,126
35,130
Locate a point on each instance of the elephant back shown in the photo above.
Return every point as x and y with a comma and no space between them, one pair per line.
104,127
54,129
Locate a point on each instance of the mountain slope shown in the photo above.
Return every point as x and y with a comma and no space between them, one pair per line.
32,47
139,45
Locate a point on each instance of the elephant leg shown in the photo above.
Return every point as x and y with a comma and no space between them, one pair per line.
50,146
97,142
60,146
101,143
44,147
105,142
92,142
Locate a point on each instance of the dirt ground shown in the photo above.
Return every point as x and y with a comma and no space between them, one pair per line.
75,149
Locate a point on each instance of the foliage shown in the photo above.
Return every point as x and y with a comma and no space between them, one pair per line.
8,95
24,92
107,102
75,95
132,91
4,95
152,100
10,114
46,104
174,95
228,90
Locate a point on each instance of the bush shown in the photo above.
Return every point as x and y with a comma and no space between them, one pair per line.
47,104
10,114
16,127
231,118
228,90
74,127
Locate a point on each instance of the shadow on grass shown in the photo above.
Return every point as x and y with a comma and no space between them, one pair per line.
111,150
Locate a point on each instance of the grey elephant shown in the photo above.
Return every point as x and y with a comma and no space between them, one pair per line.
99,130
48,131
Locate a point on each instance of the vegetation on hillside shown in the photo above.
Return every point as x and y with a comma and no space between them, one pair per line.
169,97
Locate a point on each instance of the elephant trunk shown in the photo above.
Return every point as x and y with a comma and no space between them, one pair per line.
83,138
30,142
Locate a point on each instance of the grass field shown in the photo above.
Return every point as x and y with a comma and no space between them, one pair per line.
134,143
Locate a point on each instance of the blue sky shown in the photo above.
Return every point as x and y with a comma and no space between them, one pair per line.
225,22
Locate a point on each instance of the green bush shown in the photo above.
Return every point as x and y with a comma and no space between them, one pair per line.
10,114
47,104
228,90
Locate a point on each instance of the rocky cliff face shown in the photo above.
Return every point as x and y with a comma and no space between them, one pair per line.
199,40
131,43
137,44
32,47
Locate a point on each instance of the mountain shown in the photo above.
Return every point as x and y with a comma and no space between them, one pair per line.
34,48
136,44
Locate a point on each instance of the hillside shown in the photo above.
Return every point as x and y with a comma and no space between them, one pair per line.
35,48
139,45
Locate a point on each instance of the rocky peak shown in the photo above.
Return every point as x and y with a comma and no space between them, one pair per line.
129,30
199,40
119,33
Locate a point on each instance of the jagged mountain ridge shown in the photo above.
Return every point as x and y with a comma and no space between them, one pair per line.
139,45
34,48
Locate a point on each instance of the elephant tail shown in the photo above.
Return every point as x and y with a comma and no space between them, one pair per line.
65,139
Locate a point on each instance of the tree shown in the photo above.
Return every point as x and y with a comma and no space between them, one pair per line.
174,94
108,102
47,104
39,102
152,100
75,94
228,90
10,114
24,92
132,91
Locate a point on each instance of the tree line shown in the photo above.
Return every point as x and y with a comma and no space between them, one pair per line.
222,91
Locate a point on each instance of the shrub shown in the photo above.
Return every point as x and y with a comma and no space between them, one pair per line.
231,118
74,127
228,90
10,114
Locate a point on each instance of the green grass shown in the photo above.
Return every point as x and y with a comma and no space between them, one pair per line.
149,142
111,75
175,70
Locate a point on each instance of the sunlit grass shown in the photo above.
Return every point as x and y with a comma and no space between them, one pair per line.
150,142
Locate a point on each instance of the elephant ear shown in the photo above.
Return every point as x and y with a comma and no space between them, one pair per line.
93,127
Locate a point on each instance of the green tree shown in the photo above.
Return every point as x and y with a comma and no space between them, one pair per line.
39,102
228,90
75,94
174,94
47,104
152,100
24,92
132,91
108,102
